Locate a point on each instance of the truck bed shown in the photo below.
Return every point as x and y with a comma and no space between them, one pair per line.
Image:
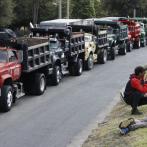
77,43
31,41
36,54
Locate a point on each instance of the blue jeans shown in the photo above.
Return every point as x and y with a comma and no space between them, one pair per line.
139,124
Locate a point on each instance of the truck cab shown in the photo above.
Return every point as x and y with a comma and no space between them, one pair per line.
10,73
57,49
143,35
142,22
9,65
90,47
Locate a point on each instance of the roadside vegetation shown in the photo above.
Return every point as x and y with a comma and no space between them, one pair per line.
107,133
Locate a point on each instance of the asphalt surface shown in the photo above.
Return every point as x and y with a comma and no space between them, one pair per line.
63,112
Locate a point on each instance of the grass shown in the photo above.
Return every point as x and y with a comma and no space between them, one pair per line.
107,133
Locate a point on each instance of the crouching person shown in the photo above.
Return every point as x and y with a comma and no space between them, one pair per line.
135,90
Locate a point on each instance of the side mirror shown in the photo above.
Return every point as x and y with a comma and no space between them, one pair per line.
20,56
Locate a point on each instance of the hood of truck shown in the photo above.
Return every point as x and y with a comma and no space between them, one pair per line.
88,43
2,65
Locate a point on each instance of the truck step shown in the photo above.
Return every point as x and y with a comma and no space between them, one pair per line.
20,95
65,72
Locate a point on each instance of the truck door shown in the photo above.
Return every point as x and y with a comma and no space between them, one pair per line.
14,66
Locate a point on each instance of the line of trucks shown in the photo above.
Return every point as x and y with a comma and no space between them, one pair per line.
56,47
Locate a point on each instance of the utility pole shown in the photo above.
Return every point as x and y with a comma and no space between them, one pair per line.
60,9
134,12
35,11
68,5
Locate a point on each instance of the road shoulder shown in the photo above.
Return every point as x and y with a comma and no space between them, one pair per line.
107,133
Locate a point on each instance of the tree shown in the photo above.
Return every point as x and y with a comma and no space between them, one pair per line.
83,9
99,10
6,12
48,10
121,8
23,12
35,10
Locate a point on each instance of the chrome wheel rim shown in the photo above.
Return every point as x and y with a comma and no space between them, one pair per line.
80,69
90,62
105,56
42,84
58,75
9,99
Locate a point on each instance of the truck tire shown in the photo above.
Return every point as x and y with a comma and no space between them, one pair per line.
137,44
89,63
39,84
112,53
102,57
122,50
78,67
129,47
57,76
71,69
6,98
143,44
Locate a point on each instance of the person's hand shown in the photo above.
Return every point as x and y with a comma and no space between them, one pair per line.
145,95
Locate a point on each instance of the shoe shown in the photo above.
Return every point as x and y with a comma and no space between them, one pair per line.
124,131
126,123
136,112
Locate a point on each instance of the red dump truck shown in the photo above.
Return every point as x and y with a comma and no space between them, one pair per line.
23,70
27,64
134,31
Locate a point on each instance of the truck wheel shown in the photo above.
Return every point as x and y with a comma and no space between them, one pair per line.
71,69
143,44
112,53
39,84
129,47
6,98
122,50
102,58
137,44
78,67
89,62
57,76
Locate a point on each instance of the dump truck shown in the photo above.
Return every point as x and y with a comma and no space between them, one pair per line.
117,36
24,67
143,24
28,64
134,30
64,41
96,42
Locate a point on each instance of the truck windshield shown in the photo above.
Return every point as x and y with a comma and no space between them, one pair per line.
53,44
3,56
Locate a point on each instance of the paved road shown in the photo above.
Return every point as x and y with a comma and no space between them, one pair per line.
63,112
